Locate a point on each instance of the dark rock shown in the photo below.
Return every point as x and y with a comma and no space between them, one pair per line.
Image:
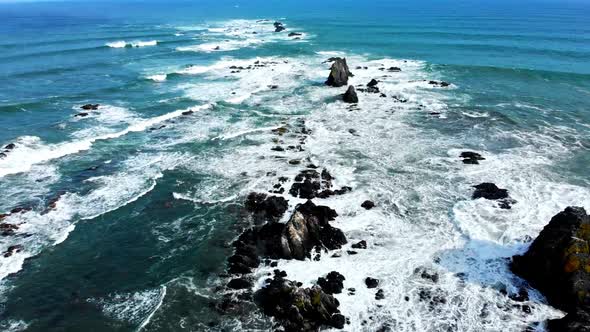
350,95
295,34
332,283
373,83
2,155
339,73
277,148
489,191
295,308
361,245
12,250
10,146
371,282
557,264
239,283
470,157
307,228
442,84
81,115
351,252
368,205
7,229
380,295
279,27
394,69
272,207
424,273
338,321
90,107
217,48
189,112
575,321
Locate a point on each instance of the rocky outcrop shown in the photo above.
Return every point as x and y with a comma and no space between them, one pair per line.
492,192
471,158
489,191
272,207
350,96
310,184
558,264
332,283
308,228
90,107
296,308
279,26
339,73
367,205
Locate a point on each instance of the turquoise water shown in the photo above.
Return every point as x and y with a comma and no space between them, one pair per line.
140,233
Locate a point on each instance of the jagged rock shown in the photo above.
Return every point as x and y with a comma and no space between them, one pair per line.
368,205
10,146
90,107
558,264
332,283
372,83
272,207
489,191
239,283
360,245
279,27
339,73
350,95
298,309
470,157
307,228
371,282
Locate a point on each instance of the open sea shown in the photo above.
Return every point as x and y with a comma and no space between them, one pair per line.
129,210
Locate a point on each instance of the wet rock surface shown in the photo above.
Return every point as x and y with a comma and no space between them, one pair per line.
339,73
296,308
350,96
558,264
471,158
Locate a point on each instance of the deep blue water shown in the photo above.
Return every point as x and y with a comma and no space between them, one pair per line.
145,214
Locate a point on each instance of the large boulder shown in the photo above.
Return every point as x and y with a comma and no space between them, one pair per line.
339,73
558,264
350,95
489,191
295,308
308,228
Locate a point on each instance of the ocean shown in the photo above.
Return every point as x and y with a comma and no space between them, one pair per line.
129,209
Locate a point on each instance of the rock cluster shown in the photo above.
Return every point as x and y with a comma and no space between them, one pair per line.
298,309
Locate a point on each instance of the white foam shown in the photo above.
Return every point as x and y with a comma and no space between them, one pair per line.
158,77
137,178
138,43
134,308
30,150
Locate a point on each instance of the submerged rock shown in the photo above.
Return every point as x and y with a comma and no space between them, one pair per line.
350,95
442,84
360,245
558,264
339,73
279,27
90,107
295,34
298,309
10,146
470,157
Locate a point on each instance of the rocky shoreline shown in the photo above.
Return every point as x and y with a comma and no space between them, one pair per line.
307,234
